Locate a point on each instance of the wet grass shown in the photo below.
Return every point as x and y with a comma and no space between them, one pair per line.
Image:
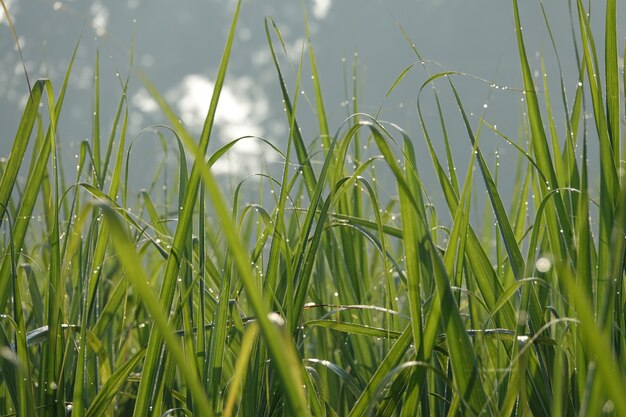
322,301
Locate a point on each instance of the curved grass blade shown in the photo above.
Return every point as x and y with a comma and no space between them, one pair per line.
353,328
185,220
139,280
298,141
464,365
112,386
20,144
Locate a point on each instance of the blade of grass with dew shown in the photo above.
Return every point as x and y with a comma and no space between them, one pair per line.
464,363
607,127
391,360
101,236
609,185
139,280
20,144
298,141
111,387
53,351
95,125
26,395
319,101
37,171
559,227
217,342
185,217
353,328
486,278
571,123
240,369
584,274
416,260
510,242
278,232
280,346
611,69
597,342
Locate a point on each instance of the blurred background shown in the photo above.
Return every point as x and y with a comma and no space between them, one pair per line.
179,44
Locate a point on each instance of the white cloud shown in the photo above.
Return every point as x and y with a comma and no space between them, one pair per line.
320,8
99,18
13,9
241,111
144,102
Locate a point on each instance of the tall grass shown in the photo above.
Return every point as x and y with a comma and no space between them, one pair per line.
322,301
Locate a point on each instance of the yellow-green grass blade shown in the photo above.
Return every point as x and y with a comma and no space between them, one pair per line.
185,219
557,158
36,173
25,210
112,386
596,341
391,360
240,369
570,167
114,127
136,275
217,342
20,144
99,252
415,257
275,335
26,396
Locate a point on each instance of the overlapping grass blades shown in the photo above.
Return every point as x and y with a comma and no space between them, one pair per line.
328,298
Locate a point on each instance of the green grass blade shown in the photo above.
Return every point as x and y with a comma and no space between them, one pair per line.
97,163
609,185
111,388
391,360
510,241
319,101
611,69
353,328
464,365
184,224
136,275
298,141
20,144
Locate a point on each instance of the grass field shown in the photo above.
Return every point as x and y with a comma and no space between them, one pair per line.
326,298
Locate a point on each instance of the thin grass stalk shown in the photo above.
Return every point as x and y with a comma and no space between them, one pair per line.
98,176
